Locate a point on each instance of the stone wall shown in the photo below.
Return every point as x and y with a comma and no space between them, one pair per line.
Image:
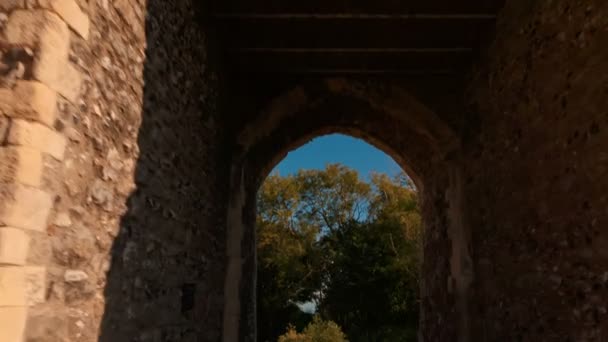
37,81
109,142
536,175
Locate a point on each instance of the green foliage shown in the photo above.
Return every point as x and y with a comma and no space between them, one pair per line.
317,331
350,246
292,335
372,287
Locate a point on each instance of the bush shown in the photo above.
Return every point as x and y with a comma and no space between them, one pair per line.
292,336
317,331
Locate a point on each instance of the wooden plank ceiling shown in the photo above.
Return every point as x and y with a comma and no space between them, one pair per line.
344,37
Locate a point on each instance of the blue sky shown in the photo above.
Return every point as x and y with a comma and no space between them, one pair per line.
338,148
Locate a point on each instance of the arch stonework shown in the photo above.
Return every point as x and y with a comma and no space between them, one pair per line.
392,120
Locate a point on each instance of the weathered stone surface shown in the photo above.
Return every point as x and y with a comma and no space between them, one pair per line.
101,194
8,5
22,165
130,154
69,11
69,83
74,246
12,283
536,170
29,100
46,324
14,244
38,137
35,284
12,323
24,207
62,220
75,276
4,127
130,14
50,35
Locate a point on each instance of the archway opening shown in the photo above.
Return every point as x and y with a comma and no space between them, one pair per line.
389,118
339,244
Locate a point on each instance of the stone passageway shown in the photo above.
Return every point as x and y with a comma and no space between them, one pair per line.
134,136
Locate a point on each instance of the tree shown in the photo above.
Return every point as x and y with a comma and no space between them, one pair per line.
372,287
288,269
350,246
292,335
317,331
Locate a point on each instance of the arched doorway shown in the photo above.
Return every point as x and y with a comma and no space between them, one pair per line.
390,119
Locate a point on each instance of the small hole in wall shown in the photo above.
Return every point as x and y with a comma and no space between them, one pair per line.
188,294
586,205
59,125
594,129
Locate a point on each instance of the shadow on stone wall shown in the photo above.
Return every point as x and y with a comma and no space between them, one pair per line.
166,276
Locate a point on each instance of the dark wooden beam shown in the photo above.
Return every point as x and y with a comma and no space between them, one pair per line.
330,72
350,50
352,59
358,16
358,6
352,33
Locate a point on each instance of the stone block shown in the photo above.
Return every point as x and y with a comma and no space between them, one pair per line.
46,324
29,100
69,11
38,137
24,207
50,35
9,5
22,165
35,285
69,83
12,323
12,283
4,126
14,245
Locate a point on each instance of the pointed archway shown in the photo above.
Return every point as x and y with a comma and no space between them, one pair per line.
390,119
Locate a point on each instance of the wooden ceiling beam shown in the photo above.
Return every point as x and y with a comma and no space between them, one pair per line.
349,50
356,6
276,59
413,72
359,16
351,34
